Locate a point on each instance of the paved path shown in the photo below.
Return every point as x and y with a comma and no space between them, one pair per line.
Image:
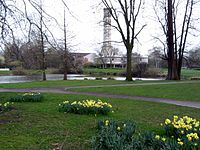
151,99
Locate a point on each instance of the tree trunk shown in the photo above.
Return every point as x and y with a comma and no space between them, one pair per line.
65,66
65,50
42,45
129,65
44,75
172,64
43,59
65,74
179,66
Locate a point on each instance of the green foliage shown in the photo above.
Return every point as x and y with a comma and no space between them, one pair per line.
85,107
27,97
185,131
115,135
6,106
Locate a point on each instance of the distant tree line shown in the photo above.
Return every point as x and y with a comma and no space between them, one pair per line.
21,55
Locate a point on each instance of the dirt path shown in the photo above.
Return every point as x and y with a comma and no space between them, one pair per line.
63,91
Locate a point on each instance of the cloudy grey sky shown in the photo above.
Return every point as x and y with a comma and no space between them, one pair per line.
84,23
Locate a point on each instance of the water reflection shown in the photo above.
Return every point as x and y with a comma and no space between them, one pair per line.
18,79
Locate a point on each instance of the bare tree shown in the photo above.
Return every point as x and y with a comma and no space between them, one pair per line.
40,24
6,11
176,35
66,38
130,10
65,62
10,21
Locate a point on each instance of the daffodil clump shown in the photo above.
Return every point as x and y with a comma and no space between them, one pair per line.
27,97
181,134
122,135
113,134
85,107
183,131
6,106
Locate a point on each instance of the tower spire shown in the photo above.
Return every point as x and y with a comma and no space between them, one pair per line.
107,32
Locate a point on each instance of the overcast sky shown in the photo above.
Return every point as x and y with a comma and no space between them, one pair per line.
84,23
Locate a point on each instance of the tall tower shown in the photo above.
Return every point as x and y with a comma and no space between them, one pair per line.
106,33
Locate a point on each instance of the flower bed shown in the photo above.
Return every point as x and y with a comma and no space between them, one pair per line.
27,97
180,134
185,131
6,106
85,107
118,135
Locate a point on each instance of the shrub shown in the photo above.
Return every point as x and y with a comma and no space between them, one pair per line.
117,135
113,135
153,73
85,107
98,78
110,78
27,97
18,71
6,106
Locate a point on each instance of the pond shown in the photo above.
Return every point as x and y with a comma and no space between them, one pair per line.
18,79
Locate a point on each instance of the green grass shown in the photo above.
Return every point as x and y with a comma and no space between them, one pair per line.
180,91
62,83
4,73
186,73
40,125
59,83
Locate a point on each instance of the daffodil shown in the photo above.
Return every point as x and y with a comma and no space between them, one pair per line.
163,139
157,137
167,121
106,122
180,143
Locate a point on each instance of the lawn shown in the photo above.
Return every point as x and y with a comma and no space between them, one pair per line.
62,83
180,91
41,126
59,83
186,73
4,73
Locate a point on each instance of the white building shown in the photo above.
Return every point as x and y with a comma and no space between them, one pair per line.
119,61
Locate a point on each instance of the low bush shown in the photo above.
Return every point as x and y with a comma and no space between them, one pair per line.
117,135
185,131
113,135
27,97
6,106
85,107
110,78
98,78
180,134
19,71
